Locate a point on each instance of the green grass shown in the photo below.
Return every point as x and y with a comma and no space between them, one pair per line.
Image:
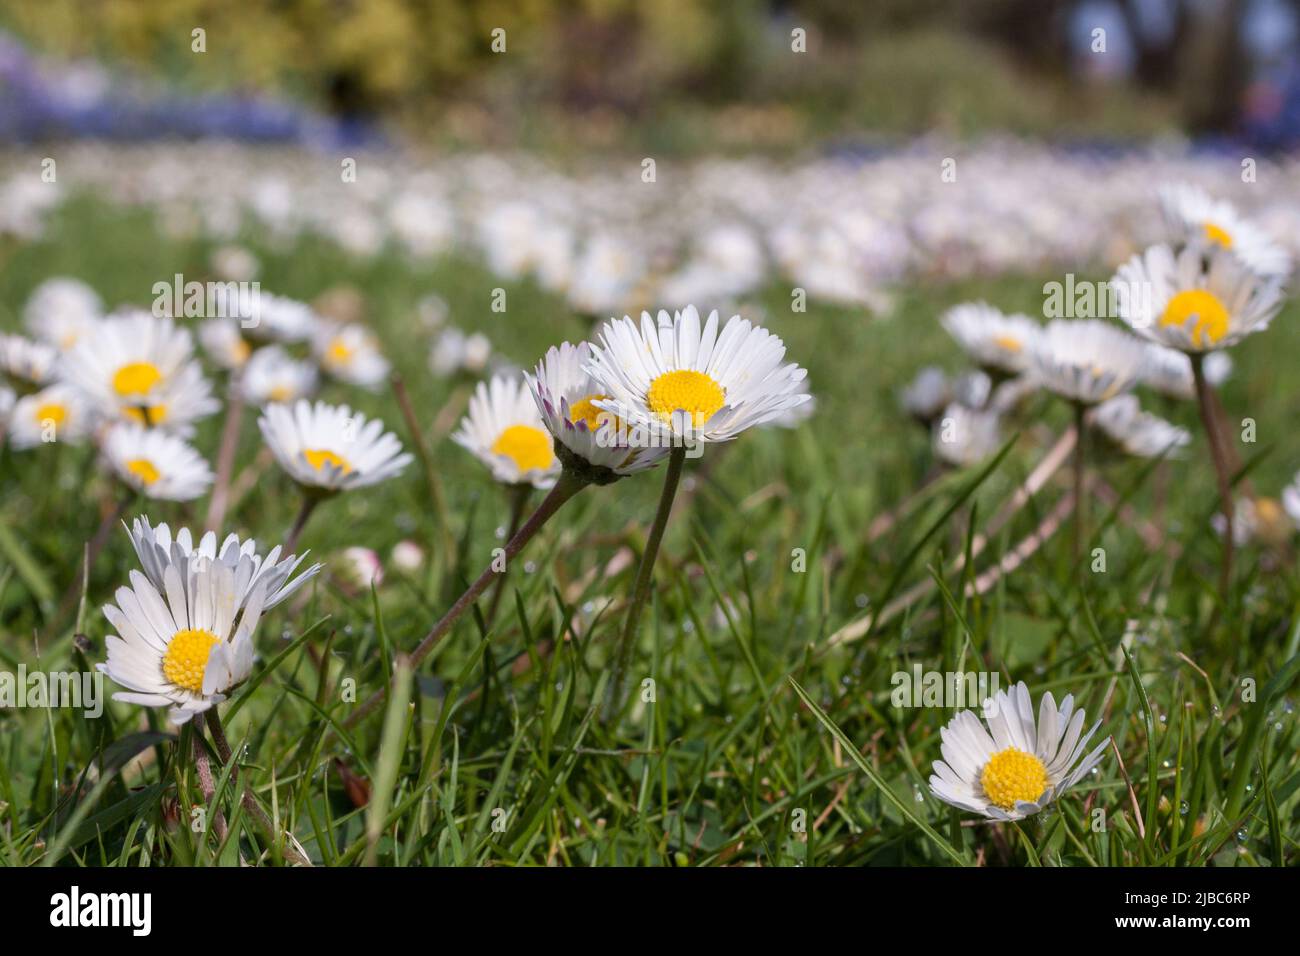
764,744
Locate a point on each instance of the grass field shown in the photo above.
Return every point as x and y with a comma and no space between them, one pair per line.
498,754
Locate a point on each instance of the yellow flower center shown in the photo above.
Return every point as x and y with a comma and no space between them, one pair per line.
136,378
1012,775
53,412
585,410
1211,315
280,393
688,391
1008,343
143,469
240,351
187,657
339,353
1217,234
148,416
318,458
526,446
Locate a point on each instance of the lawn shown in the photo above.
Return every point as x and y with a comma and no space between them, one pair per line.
498,752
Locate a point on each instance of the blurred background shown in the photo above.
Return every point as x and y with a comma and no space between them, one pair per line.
671,76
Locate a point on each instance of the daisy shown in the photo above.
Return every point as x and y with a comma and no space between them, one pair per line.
224,343
350,353
504,429
177,404
158,549
1202,222
695,385
995,341
1291,500
1137,432
1169,371
586,438
1087,360
962,436
272,376
927,395
25,364
61,310
275,318
1016,767
454,351
54,414
184,645
331,448
1257,519
1193,301
155,463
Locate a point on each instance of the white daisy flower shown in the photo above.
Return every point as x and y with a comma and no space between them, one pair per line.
504,429
155,463
586,438
184,645
158,550
264,318
1138,433
138,366
691,384
1203,222
926,396
272,376
330,447
1086,360
1014,768
990,338
25,364
1195,301
454,351
61,310
224,343
54,414
350,353
1259,519
1169,371
962,436
1291,500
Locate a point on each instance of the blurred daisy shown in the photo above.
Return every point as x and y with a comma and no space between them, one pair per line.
991,339
1259,519
1015,767
1188,303
177,403
184,645
504,429
360,568
54,414
1291,500
158,549
454,351
272,376
1169,371
1136,432
61,310
1086,360
927,395
224,343
26,365
351,354
1203,222
586,438
331,448
275,318
155,463
696,384
962,436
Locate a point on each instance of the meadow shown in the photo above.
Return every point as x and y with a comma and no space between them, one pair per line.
771,738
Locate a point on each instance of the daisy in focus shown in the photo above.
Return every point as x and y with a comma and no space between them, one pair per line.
1202,222
331,448
693,383
184,645
158,549
155,463
54,414
271,375
350,353
1016,766
505,430
1087,360
586,438
1192,301
997,342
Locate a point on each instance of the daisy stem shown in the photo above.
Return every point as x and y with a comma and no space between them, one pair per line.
226,455
309,503
1222,469
207,786
568,486
518,501
1080,498
644,574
